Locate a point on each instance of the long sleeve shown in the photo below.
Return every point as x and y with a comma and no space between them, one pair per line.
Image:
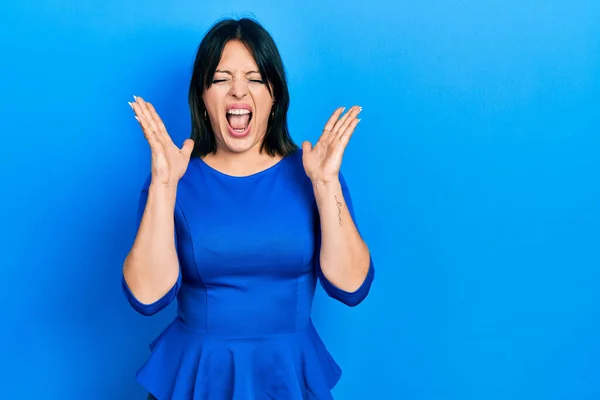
164,301
349,298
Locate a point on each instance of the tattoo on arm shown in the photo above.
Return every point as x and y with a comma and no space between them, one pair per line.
339,204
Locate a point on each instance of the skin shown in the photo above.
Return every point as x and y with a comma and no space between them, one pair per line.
242,83
151,267
344,256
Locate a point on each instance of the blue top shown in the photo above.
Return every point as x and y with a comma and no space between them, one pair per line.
248,251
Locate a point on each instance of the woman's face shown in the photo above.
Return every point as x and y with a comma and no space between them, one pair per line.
238,102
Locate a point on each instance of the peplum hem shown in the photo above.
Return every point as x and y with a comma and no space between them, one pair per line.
187,365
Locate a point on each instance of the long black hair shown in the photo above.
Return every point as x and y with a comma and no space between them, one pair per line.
261,45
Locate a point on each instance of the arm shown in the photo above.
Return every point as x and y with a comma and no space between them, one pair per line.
151,276
345,266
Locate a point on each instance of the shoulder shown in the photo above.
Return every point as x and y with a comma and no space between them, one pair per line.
295,156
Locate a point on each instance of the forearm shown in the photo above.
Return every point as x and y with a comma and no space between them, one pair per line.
151,268
344,255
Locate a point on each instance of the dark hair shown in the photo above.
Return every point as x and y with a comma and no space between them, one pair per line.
259,42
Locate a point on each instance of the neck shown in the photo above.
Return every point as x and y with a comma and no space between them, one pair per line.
241,164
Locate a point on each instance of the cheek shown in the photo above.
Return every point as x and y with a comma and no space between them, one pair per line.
265,107
212,100
264,104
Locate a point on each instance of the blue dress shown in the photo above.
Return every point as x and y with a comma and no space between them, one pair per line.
248,250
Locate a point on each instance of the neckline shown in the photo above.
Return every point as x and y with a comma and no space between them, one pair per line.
242,177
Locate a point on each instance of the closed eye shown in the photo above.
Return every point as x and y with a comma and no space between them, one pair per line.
224,80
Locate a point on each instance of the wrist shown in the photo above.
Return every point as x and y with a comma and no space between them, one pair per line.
163,192
325,190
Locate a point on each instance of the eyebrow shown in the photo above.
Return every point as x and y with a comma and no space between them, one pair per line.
224,71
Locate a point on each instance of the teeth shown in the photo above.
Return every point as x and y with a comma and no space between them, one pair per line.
238,111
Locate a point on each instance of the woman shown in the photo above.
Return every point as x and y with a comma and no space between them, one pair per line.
239,224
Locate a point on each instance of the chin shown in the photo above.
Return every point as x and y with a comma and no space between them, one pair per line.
237,147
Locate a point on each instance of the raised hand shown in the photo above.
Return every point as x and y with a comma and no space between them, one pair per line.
169,162
323,161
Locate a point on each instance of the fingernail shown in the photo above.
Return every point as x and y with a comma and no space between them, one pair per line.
359,109
138,120
135,98
130,105
343,109
357,122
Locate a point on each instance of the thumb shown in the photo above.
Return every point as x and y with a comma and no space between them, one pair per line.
306,146
188,146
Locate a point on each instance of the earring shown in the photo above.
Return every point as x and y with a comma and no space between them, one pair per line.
205,114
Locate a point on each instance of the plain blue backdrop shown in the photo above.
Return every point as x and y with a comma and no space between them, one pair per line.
475,174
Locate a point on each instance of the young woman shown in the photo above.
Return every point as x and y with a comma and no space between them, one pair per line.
238,225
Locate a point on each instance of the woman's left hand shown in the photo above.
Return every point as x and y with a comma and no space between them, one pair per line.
323,161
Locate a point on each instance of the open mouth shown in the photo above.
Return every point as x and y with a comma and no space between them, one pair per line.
239,120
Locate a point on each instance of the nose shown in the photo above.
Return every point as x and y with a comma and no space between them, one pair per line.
239,88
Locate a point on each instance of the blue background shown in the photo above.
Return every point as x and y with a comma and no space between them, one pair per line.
474,172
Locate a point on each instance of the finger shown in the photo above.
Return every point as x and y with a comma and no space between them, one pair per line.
334,117
162,133
306,146
326,136
139,115
348,133
146,113
149,134
188,147
352,113
341,120
156,118
137,108
351,116
147,131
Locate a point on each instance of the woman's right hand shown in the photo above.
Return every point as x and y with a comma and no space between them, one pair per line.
169,162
